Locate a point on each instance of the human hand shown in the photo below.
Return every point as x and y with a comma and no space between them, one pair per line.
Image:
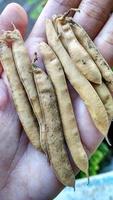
24,172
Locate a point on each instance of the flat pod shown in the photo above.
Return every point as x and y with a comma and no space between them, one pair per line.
55,140
79,55
88,44
19,96
106,98
24,68
43,132
79,82
71,132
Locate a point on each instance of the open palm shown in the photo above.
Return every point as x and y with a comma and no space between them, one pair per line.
24,172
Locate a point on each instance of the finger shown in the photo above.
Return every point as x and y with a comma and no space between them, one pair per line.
52,7
104,41
93,15
90,136
16,14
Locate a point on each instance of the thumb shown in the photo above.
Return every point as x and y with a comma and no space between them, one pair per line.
13,13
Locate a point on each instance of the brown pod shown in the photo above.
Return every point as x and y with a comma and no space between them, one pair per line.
19,96
79,55
89,45
106,98
54,133
79,82
69,123
24,68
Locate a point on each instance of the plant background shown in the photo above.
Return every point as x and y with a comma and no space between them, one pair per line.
101,159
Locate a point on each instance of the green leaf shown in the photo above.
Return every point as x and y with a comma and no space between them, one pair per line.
37,10
95,162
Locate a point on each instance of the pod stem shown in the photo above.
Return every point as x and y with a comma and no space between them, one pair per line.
14,27
74,185
88,179
34,66
107,140
70,10
87,175
35,58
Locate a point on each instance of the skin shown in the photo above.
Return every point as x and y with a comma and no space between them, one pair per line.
22,168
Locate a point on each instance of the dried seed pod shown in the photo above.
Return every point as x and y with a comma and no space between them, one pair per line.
54,133
69,123
19,96
24,68
79,55
79,82
88,44
106,98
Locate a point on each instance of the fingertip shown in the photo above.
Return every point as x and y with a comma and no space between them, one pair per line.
14,13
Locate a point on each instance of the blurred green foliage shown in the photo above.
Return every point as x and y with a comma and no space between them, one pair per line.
37,7
97,160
